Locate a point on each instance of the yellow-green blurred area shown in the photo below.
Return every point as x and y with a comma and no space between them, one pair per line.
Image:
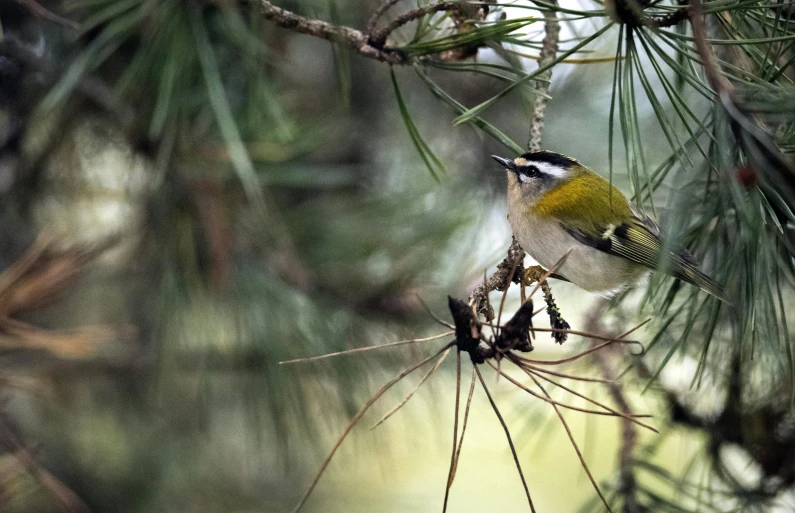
191,195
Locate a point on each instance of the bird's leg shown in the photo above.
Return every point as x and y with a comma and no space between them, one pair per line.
533,274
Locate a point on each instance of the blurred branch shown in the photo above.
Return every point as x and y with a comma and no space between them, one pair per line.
717,81
91,88
383,8
208,197
64,495
82,342
35,280
608,362
38,276
355,39
40,11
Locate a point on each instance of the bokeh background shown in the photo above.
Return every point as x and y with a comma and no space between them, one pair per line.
156,275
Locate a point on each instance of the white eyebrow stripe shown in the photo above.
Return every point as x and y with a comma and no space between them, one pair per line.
549,169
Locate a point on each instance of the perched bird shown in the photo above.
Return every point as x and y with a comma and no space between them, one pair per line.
556,204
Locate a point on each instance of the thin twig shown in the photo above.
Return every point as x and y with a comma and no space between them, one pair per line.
515,252
355,39
489,308
378,38
382,9
671,19
358,416
505,290
411,394
508,436
498,280
592,60
367,348
549,48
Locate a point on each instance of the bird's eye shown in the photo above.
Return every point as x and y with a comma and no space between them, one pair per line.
528,172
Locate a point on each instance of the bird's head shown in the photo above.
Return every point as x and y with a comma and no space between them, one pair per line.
533,174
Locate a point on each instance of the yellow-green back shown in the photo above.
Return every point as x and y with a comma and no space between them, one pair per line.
584,202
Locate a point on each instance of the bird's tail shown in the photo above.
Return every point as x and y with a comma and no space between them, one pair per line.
694,276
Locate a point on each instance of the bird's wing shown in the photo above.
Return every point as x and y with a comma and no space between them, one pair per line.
638,239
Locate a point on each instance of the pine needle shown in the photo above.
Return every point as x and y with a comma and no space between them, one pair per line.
453,452
358,416
411,394
576,448
508,436
368,348
464,427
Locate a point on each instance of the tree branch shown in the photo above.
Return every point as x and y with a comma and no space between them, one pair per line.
608,362
718,82
355,39
549,47
674,18
498,280
383,8
378,38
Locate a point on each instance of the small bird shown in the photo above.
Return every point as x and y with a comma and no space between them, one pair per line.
555,204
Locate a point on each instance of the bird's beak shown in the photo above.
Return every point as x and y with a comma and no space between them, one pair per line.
505,163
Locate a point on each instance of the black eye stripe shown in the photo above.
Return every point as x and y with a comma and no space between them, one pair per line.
530,171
